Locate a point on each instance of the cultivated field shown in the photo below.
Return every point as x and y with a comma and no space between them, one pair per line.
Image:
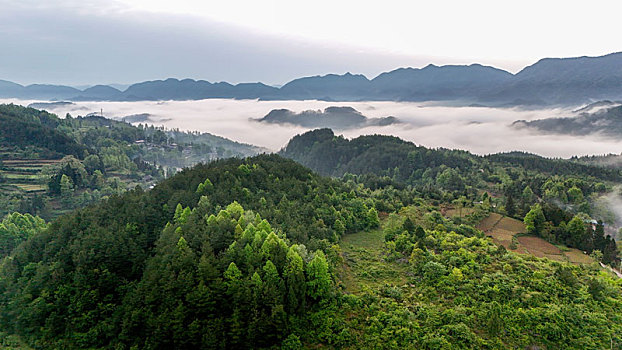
488,223
509,233
462,212
24,175
576,256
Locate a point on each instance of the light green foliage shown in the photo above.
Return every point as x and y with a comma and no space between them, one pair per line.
205,187
66,186
450,179
528,196
16,228
575,195
232,273
576,230
372,218
319,280
534,220
466,293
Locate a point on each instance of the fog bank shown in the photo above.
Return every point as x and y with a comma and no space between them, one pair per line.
477,129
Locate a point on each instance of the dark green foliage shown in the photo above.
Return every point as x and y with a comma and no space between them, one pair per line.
333,155
116,273
28,127
554,166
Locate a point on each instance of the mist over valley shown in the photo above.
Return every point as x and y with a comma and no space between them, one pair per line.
481,130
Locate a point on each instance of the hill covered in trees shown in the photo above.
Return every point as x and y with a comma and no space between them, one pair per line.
49,165
606,122
338,118
247,253
511,182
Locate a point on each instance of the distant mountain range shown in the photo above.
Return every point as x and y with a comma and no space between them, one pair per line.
550,81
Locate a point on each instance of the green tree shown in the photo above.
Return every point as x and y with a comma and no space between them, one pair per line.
66,186
16,228
294,276
510,207
372,218
319,283
534,220
576,231
575,195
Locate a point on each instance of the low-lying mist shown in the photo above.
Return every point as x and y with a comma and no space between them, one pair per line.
477,129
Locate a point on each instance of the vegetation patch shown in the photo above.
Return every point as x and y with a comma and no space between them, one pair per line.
365,265
489,222
576,256
538,247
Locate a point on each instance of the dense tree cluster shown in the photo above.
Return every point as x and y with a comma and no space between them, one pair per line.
117,273
579,232
28,128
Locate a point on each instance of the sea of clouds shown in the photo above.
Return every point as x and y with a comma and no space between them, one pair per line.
480,130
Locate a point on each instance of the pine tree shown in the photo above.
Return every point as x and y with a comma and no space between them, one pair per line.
319,280
294,276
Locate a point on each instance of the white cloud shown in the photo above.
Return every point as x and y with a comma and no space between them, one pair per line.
479,130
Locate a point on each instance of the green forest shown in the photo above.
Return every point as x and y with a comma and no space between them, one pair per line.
368,243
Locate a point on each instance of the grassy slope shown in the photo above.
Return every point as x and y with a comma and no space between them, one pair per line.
364,265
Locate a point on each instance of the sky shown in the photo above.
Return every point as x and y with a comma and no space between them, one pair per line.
95,41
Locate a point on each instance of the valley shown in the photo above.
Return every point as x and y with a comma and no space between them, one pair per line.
351,175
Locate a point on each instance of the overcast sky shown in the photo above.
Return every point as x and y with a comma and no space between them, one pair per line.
90,41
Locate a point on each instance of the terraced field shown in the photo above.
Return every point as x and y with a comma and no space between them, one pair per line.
24,175
576,256
509,233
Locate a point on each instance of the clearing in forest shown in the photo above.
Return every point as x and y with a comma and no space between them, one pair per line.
461,212
364,265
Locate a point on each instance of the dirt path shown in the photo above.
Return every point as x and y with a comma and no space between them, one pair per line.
616,272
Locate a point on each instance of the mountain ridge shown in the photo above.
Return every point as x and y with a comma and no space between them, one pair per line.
549,81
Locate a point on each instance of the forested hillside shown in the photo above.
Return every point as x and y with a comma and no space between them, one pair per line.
402,247
263,253
50,165
513,183
606,122
187,264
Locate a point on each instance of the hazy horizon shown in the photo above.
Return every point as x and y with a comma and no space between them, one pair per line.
122,86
